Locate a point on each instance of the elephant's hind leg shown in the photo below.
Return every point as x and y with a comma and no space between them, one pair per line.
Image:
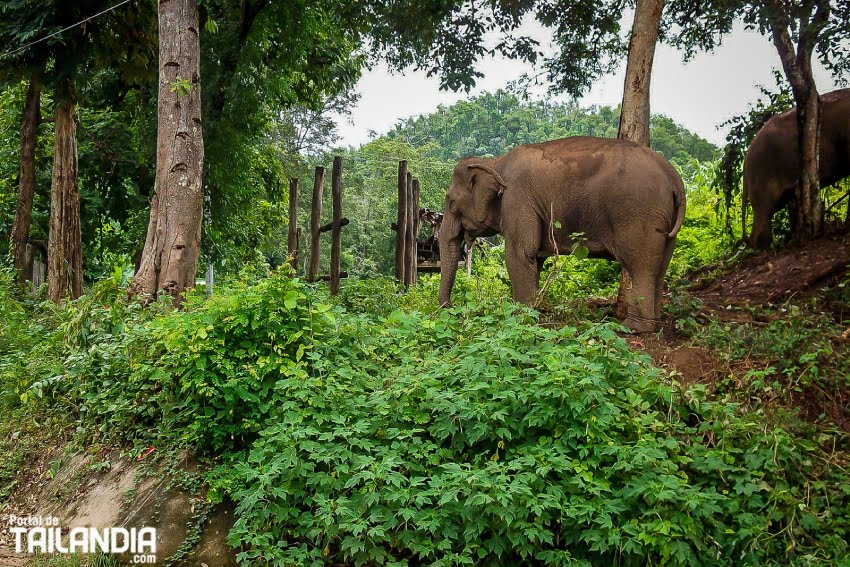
645,265
662,271
640,301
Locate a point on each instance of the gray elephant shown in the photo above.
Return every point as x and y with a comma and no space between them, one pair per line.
625,199
772,164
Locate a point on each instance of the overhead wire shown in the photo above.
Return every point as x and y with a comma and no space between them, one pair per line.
63,30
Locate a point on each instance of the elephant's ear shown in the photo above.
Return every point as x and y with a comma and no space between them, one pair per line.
484,191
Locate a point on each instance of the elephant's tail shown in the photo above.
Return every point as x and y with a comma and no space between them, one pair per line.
679,200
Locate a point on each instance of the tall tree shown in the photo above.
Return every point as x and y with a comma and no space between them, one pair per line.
798,29
30,119
68,40
170,256
634,112
65,248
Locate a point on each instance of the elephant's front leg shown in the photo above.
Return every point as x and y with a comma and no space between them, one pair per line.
521,249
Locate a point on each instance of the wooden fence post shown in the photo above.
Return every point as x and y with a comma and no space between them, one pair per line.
414,229
315,219
336,232
410,244
401,222
292,244
210,279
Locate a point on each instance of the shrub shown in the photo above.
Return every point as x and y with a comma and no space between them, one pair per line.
212,370
475,436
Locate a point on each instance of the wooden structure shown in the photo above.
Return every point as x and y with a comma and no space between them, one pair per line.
292,244
413,255
316,228
407,226
334,227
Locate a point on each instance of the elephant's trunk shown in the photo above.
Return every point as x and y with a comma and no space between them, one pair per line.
451,232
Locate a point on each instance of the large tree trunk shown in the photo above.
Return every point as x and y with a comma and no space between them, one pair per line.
26,187
807,210
170,257
634,113
64,248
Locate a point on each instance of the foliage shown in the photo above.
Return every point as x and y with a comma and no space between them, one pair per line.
744,128
476,435
493,123
216,369
449,40
701,25
372,434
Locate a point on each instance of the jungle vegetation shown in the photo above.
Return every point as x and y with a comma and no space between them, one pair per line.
371,428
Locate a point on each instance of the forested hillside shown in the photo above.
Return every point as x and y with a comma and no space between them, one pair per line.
493,123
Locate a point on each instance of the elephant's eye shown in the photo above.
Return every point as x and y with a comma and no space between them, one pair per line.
452,206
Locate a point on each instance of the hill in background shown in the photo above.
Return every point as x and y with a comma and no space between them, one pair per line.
493,123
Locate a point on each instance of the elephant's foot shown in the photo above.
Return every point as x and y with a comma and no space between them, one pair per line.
640,324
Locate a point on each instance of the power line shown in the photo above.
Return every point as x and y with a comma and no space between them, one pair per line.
45,38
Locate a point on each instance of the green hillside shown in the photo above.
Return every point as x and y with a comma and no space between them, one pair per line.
493,123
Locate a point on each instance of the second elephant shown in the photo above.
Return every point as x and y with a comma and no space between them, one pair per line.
772,163
626,200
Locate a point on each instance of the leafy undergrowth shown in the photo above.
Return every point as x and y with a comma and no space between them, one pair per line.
366,434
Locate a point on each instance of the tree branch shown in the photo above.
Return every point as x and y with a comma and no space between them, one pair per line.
811,28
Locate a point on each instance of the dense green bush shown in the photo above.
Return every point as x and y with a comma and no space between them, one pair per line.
465,436
477,436
30,343
216,366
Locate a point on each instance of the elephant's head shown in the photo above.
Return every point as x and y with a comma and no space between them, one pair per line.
473,209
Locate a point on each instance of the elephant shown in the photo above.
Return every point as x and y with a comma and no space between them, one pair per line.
626,201
771,166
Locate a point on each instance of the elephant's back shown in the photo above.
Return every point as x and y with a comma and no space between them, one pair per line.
773,153
594,183
586,158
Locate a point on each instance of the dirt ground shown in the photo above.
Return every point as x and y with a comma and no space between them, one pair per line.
760,280
778,276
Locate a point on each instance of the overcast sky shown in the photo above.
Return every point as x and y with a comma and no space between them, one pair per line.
700,94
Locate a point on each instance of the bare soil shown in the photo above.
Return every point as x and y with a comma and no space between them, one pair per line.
729,295
777,276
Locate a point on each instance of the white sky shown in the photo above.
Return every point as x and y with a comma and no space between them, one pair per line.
700,94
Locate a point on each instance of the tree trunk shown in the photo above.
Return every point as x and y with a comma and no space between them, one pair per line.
807,210
26,187
170,257
634,113
292,240
64,248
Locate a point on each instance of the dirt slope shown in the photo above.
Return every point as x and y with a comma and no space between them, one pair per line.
777,275
752,294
